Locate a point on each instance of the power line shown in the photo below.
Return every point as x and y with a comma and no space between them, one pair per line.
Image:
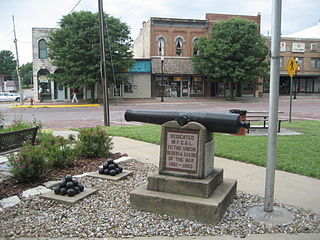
74,7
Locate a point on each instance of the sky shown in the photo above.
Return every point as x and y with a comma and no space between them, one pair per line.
296,15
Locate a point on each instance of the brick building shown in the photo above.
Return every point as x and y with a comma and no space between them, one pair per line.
169,44
304,47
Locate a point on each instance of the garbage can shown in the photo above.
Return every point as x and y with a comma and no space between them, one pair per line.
243,118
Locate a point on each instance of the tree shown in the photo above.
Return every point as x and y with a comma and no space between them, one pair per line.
75,49
7,64
235,53
26,73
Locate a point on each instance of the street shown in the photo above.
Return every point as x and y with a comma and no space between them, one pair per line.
306,108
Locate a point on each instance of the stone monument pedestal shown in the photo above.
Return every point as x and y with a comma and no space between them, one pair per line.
195,207
187,185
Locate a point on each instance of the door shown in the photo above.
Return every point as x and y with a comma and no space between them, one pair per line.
185,88
61,92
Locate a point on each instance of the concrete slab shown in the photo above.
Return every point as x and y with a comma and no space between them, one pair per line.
206,210
278,217
10,201
35,191
68,200
117,177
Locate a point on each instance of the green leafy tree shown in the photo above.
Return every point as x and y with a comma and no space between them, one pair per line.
7,64
26,73
234,53
75,49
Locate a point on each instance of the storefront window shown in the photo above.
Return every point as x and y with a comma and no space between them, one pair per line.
197,85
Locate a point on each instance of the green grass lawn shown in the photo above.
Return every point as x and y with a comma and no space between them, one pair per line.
297,154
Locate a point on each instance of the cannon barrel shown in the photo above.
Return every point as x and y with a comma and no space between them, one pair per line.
214,122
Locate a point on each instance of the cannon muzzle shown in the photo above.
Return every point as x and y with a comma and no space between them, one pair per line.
214,122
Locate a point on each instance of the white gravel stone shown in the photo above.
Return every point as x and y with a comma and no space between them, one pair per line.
124,160
35,191
10,201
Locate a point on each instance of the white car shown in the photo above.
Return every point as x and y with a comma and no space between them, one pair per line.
9,97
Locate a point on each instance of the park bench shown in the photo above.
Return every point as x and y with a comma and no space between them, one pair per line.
261,117
10,141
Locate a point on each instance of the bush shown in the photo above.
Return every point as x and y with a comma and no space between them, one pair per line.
28,164
57,150
93,143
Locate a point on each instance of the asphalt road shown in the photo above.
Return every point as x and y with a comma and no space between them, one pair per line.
307,108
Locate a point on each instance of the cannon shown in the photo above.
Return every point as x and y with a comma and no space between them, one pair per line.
214,122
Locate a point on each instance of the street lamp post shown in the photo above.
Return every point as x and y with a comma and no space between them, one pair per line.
162,85
295,82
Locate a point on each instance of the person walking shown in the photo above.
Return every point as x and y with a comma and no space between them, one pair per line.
74,95
40,91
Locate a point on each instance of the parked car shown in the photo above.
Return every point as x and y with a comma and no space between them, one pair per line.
9,97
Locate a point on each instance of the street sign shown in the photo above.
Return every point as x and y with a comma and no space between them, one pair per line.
292,67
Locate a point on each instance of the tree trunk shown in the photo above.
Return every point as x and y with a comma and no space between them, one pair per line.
231,89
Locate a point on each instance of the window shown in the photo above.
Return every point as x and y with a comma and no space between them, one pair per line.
179,46
300,63
315,63
42,46
161,46
313,46
197,85
195,50
128,86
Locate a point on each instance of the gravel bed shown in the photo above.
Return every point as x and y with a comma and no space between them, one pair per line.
108,214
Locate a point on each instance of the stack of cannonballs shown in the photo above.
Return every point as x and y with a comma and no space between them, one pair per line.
110,168
69,186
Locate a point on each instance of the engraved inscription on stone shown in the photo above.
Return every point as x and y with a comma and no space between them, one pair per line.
182,151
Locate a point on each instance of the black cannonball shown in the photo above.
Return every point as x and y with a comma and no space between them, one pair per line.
120,168
63,191
105,166
57,190
117,170
68,178
113,172
81,187
76,189
110,161
116,164
75,182
62,183
69,185
71,192
112,166
106,171
101,171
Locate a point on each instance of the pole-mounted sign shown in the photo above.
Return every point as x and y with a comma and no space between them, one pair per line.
292,67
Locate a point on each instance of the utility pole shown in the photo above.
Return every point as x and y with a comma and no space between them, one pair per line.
103,69
17,62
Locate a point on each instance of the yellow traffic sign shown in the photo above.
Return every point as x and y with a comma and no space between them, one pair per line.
292,67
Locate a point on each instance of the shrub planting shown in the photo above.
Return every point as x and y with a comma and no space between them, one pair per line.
93,143
28,164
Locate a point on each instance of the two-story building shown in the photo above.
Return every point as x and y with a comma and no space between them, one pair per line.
304,47
169,44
